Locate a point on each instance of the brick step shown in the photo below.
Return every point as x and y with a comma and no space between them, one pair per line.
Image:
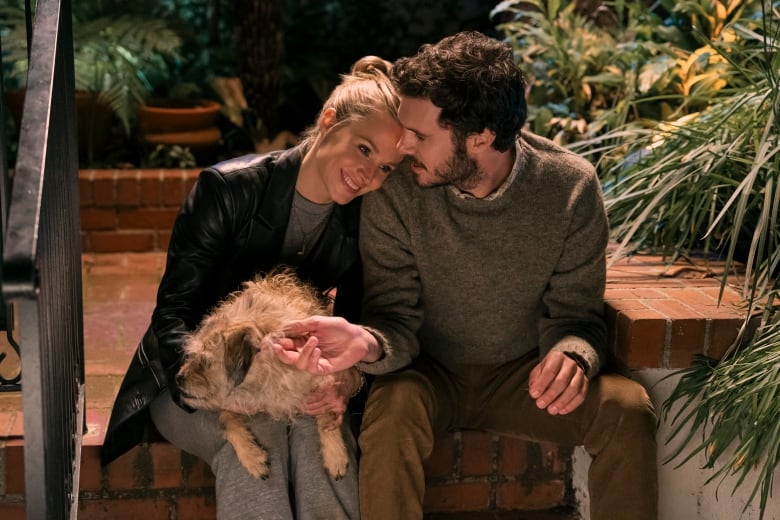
471,475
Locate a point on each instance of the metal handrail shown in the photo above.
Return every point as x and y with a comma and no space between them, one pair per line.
42,269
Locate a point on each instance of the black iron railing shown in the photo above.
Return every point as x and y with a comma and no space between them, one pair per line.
41,275
10,368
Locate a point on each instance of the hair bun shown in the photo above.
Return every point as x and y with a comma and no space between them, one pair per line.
371,65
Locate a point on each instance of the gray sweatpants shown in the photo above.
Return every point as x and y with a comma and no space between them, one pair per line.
294,459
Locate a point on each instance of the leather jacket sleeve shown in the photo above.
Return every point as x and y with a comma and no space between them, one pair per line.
203,236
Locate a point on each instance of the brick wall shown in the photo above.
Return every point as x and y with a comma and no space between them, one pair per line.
130,210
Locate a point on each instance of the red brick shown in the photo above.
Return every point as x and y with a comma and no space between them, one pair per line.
85,191
97,416
687,340
128,189
729,297
14,470
147,218
166,464
133,470
470,496
16,430
512,456
122,241
697,297
556,459
641,338
650,294
163,240
91,472
674,310
104,188
530,495
203,507
151,187
634,304
195,472
6,420
191,176
12,511
173,189
11,424
477,457
442,462
619,294
125,509
723,333
86,242
95,218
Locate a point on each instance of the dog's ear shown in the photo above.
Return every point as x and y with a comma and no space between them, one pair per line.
238,357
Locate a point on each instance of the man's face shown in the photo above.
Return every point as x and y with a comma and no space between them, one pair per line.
435,158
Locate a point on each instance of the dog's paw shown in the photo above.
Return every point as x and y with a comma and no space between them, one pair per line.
257,468
334,454
250,454
254,458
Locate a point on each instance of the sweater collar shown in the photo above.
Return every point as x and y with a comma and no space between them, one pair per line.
519,165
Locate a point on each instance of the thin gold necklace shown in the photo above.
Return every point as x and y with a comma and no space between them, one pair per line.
314,233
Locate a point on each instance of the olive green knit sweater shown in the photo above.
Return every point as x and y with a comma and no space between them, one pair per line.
484,281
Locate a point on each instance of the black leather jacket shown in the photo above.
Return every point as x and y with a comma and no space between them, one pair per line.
230,227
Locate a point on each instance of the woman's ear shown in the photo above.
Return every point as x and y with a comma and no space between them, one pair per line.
327,118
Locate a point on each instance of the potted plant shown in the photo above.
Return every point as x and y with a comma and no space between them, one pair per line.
184,118
118,60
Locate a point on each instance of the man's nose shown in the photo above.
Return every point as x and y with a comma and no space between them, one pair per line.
406,143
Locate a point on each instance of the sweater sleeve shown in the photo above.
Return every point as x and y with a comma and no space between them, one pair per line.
574,298
391,303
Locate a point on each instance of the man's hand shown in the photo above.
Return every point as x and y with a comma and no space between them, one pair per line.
334,396
325,344
558,384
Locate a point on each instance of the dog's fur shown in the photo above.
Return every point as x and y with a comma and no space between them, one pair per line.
229,367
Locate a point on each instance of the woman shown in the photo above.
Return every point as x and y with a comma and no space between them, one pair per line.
299,208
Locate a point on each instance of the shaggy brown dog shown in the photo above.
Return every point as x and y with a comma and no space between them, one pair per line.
229,367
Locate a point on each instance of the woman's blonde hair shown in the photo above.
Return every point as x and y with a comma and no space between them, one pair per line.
366,91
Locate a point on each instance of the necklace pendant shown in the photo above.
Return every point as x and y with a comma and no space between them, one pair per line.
302,250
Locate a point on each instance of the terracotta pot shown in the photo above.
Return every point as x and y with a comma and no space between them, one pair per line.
186,124
94,121
191,125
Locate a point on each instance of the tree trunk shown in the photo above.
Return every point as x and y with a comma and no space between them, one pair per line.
259,55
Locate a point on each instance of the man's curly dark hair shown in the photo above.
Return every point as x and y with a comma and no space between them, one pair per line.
474,79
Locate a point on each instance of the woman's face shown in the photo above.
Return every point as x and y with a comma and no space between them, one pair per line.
356,158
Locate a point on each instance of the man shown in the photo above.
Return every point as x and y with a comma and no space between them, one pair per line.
484,274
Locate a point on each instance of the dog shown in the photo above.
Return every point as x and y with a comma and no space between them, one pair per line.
229,367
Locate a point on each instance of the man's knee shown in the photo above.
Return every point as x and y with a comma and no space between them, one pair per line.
398,399
628,403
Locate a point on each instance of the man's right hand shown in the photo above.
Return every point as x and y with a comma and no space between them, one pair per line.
326,344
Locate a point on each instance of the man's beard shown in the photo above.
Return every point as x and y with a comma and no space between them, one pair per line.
460,170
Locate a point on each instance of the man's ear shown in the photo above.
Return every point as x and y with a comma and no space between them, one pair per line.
476,143
327,118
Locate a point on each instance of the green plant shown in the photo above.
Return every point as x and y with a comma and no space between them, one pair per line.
679,107
171,156
586,79
122,58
